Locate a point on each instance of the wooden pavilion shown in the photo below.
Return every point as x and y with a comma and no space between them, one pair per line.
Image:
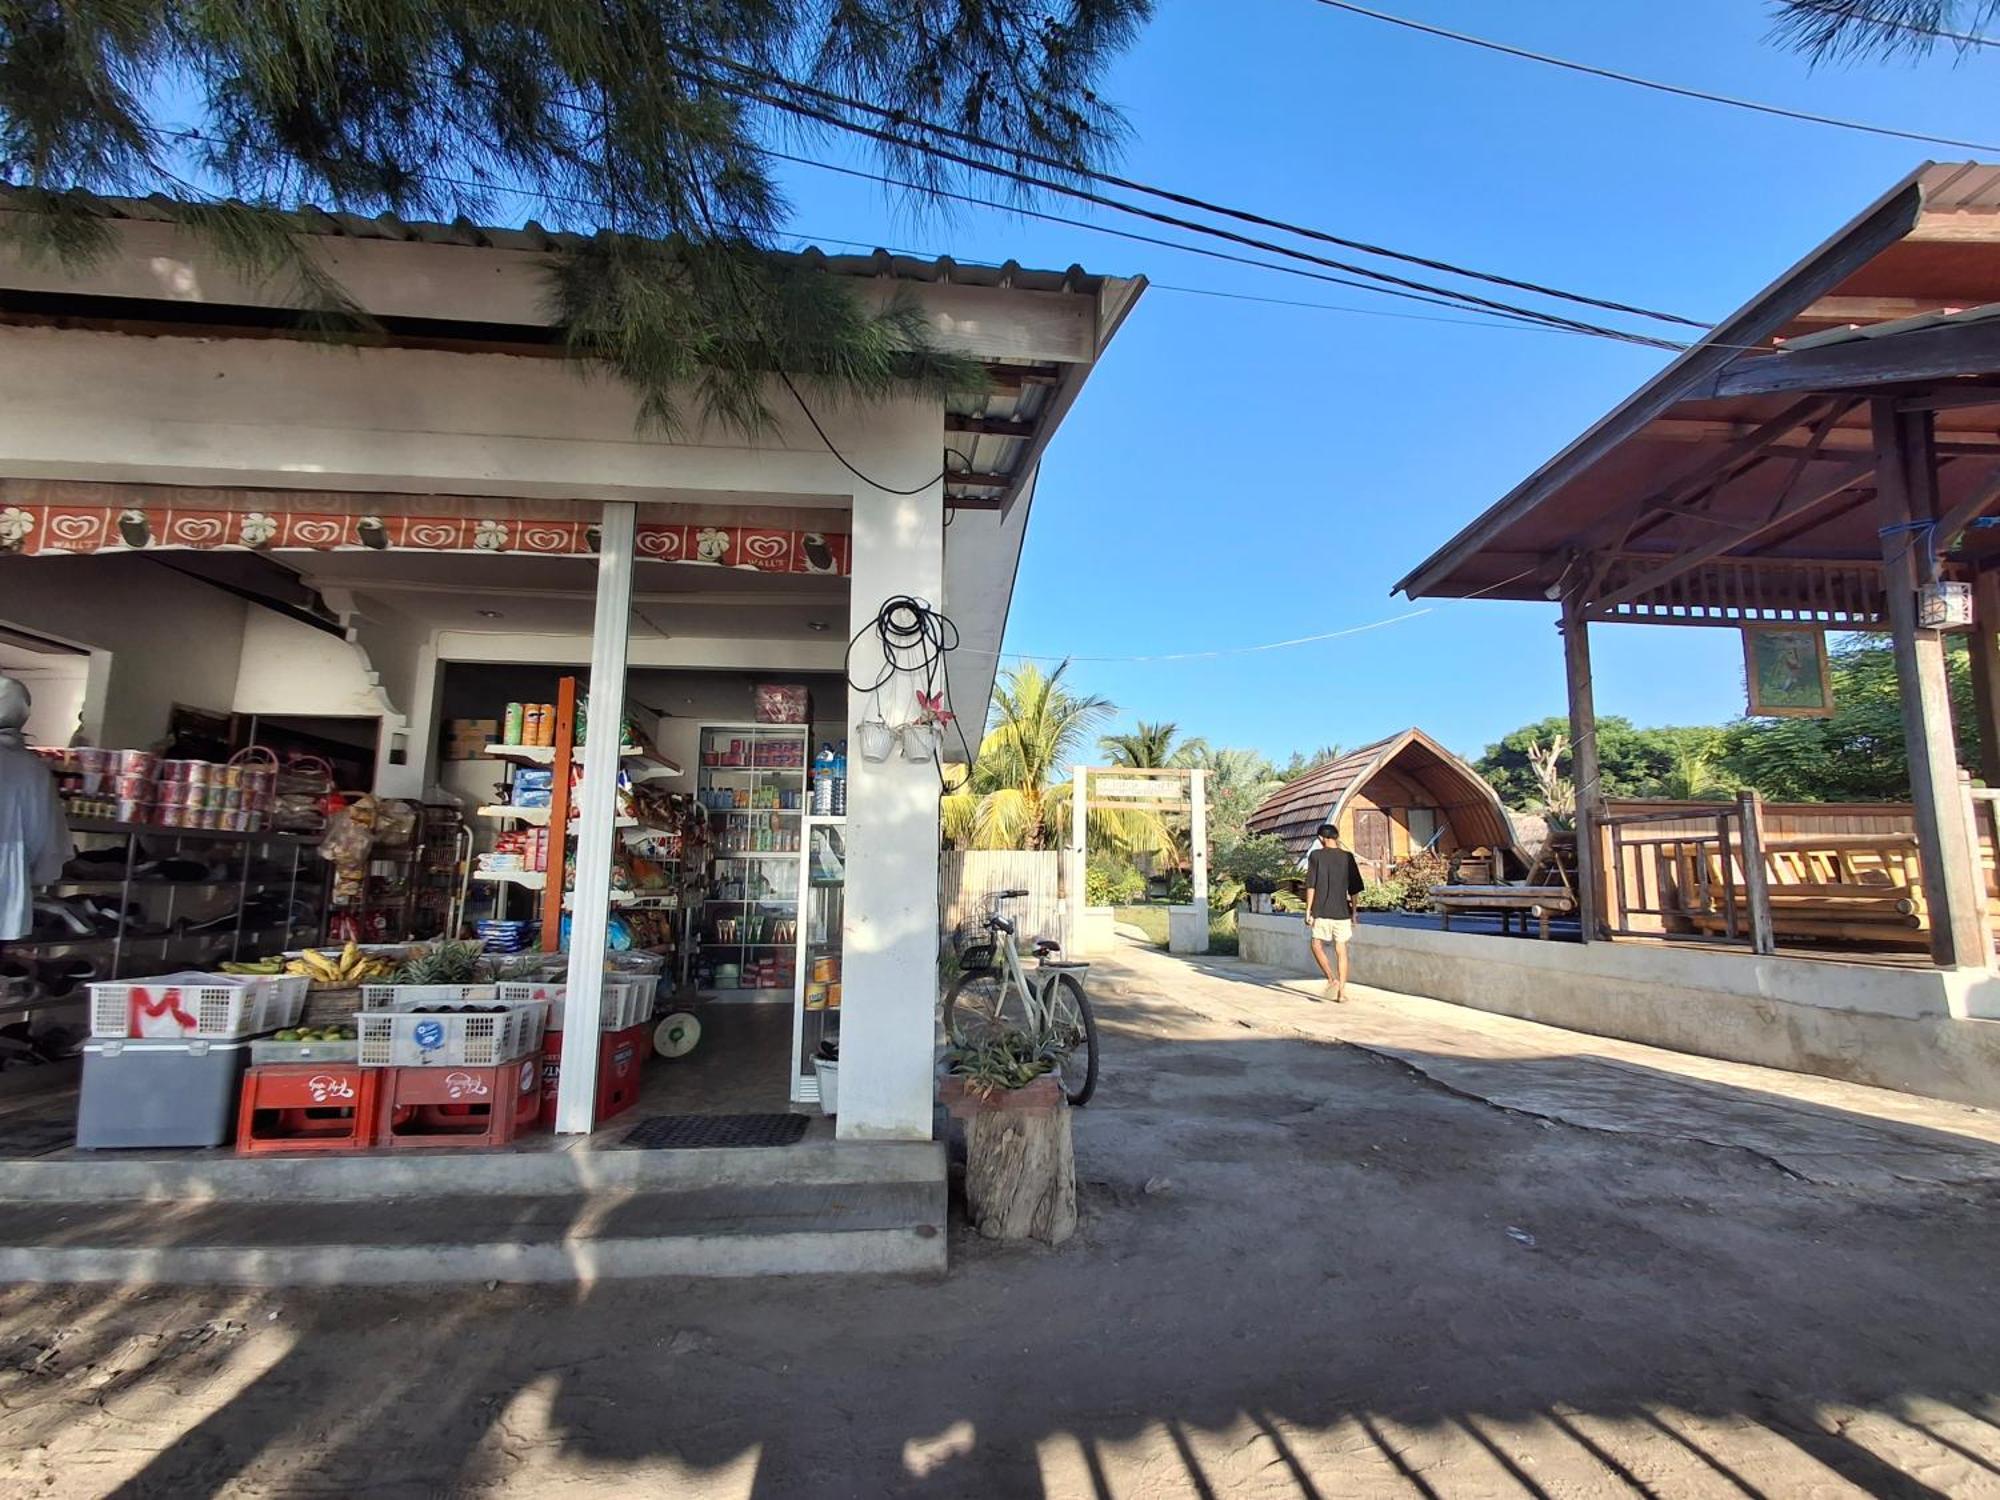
1822,459
1390,799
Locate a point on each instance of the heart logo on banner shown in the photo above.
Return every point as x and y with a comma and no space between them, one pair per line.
766,546
314,531
660,541
78,528
194,531
435,536
546,538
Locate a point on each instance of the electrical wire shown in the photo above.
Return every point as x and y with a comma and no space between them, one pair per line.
1185,200
1049,185
1678,90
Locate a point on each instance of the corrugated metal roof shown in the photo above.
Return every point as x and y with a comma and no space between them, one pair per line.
532,237
1849,333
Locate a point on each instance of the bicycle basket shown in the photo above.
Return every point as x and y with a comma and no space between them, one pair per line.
975,948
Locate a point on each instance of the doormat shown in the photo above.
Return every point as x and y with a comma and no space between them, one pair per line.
693,1132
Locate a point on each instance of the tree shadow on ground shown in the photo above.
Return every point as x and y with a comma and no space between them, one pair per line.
1303,1271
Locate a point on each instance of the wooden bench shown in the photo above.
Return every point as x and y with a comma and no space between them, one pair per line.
1843,887
1538,901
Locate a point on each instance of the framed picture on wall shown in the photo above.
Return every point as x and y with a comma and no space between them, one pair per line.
1786,669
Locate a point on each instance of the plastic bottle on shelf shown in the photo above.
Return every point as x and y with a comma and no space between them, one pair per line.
840,781
822,782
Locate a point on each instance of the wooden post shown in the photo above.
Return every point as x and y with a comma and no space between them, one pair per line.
1906,492
1583,764
1981,906
1986,670
1756,879
559,763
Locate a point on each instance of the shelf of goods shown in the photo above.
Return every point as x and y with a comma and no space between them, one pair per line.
139,899
653,827
816,1004
752,784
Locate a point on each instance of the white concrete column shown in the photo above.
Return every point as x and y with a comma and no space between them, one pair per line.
576,1094
1079,861
1198,841
888,1020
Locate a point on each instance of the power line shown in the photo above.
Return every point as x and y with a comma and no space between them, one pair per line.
903,121
1678,90
1047,185
1521,320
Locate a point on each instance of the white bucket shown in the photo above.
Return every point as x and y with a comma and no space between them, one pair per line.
828,1074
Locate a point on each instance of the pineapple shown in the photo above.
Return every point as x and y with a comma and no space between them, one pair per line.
444,963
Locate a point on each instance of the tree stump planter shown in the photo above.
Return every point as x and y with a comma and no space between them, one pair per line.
1020,1159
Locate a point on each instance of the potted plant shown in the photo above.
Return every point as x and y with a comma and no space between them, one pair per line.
1020,1158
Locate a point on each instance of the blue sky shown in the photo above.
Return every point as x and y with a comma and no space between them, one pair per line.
1239,473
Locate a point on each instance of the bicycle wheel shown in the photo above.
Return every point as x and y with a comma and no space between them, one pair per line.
980,1005
1078,1025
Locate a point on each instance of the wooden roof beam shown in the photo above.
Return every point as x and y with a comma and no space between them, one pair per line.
1943,352
1708,551
1837,311
988,426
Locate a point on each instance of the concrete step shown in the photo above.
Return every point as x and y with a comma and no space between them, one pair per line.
559,1169
782,1228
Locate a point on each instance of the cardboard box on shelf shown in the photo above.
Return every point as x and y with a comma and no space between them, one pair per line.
465,739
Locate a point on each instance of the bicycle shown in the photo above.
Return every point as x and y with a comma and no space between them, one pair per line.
995,995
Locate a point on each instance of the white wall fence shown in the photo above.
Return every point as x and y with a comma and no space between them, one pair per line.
967,879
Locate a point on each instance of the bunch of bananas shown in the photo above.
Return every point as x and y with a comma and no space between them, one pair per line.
341,970
264,966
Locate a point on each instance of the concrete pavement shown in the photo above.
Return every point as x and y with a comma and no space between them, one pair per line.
1305,1270
1818,1129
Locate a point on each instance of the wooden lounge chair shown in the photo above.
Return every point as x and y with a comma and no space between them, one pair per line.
1543,894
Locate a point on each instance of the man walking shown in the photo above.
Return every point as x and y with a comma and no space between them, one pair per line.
1333,880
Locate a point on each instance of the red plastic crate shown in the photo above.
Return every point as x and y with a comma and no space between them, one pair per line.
307,1107
621,1062
443,1106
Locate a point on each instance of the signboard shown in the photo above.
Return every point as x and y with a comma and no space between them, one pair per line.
1139,788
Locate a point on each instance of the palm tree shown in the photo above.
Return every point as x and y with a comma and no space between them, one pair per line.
1149,747
1694,775
1012,799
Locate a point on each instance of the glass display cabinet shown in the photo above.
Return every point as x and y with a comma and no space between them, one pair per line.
816,1018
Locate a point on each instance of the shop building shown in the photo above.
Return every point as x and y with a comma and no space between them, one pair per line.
201,509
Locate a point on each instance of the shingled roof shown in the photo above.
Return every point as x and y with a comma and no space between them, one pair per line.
1321,795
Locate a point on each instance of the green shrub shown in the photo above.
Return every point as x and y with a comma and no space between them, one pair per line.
1108,883
1379,895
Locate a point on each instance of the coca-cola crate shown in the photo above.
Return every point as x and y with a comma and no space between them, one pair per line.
477,1035
175,1007
628,999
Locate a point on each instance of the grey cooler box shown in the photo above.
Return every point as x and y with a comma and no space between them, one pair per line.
153,1093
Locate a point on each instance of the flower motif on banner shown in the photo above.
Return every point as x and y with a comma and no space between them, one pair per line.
490,536
16,525
711,544
256,529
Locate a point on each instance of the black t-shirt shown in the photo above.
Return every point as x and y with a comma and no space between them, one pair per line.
1335,880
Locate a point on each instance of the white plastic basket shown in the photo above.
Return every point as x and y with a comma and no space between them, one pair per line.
401,1038
171,1007
284,1002
628,999
393,996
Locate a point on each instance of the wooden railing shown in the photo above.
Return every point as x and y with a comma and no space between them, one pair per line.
1832,873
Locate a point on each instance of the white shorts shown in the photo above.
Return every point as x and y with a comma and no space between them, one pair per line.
1333,929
